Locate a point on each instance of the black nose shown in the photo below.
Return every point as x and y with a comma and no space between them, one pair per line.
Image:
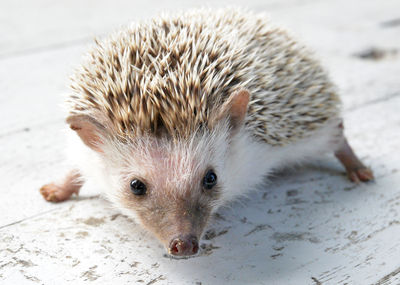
184,245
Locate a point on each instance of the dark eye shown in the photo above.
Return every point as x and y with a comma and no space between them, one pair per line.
209,180
138,187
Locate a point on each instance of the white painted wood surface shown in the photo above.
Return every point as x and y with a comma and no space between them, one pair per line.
308,226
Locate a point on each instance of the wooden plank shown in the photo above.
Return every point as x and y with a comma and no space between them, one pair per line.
33,87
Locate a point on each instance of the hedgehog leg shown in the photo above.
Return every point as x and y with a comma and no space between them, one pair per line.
58,192
356,170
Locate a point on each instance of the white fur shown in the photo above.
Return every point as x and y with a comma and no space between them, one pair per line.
251,161
241,163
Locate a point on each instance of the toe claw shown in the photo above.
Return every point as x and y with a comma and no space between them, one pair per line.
365,174
360,175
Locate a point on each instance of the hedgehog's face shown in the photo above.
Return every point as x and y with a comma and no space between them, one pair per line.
171,186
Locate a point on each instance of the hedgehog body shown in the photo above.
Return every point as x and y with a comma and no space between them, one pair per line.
180,114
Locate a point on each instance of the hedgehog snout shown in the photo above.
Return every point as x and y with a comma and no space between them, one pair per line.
184,245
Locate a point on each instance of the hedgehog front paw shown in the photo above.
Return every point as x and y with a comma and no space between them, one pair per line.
54,193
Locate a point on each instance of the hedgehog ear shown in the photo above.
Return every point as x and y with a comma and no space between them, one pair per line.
235,108
88,129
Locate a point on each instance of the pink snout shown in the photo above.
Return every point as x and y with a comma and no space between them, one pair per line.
184,245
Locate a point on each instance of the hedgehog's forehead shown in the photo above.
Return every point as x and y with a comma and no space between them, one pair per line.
192,154
168,150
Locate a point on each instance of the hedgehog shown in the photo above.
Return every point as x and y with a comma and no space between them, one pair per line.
175,116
